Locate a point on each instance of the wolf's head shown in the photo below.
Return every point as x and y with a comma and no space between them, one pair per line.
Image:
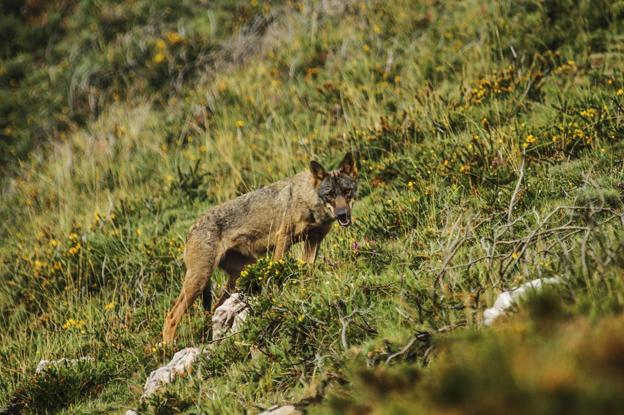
337,188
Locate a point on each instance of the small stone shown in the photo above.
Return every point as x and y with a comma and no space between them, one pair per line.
179,364
229,316
507,299
282,410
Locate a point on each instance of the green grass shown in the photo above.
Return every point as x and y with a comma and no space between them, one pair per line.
489,142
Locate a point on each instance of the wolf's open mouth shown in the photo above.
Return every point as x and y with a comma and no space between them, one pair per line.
344,222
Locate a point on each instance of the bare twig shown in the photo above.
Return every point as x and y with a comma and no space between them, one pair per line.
404,350
512,202
344,322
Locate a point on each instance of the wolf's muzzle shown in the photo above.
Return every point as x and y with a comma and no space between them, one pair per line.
344,219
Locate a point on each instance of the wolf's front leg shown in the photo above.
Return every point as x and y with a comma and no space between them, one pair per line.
312,243
310,250
282,244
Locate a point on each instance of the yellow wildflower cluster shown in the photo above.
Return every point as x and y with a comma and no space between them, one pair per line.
73,324
529,140
159,56
266,271
589,113
75,249
502,82
568,67
174,38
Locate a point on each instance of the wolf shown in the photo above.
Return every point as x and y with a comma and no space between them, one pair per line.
232,235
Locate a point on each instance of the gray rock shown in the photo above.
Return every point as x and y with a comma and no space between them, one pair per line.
508,299
227,319
229,316
282,410
179,364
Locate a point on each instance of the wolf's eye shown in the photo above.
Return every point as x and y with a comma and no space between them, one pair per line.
329,196
348,193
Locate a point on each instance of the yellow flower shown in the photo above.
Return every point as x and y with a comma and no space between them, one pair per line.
365,48
53,243
73,236
515,255
240,124
410,184
160,44
75,249
74,324
158,57
620,92
530,139
464,169
589,113
109,306
174,38
301,318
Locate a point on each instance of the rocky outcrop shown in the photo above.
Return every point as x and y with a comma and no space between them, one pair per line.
179,364
227,319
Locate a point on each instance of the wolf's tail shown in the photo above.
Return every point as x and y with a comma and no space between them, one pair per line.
207,296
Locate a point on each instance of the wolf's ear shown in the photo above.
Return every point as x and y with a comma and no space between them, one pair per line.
317,170
347,166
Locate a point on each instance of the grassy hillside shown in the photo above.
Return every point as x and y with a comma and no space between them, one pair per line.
489,141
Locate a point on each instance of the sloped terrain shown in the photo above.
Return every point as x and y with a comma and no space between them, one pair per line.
489,143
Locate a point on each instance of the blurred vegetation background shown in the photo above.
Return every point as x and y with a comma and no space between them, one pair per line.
489,141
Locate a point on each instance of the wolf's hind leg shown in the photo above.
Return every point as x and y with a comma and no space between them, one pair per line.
196,280
207,296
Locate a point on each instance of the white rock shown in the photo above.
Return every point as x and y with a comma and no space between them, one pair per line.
44,364
282,410
131,412
229,316
179,364
507,299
